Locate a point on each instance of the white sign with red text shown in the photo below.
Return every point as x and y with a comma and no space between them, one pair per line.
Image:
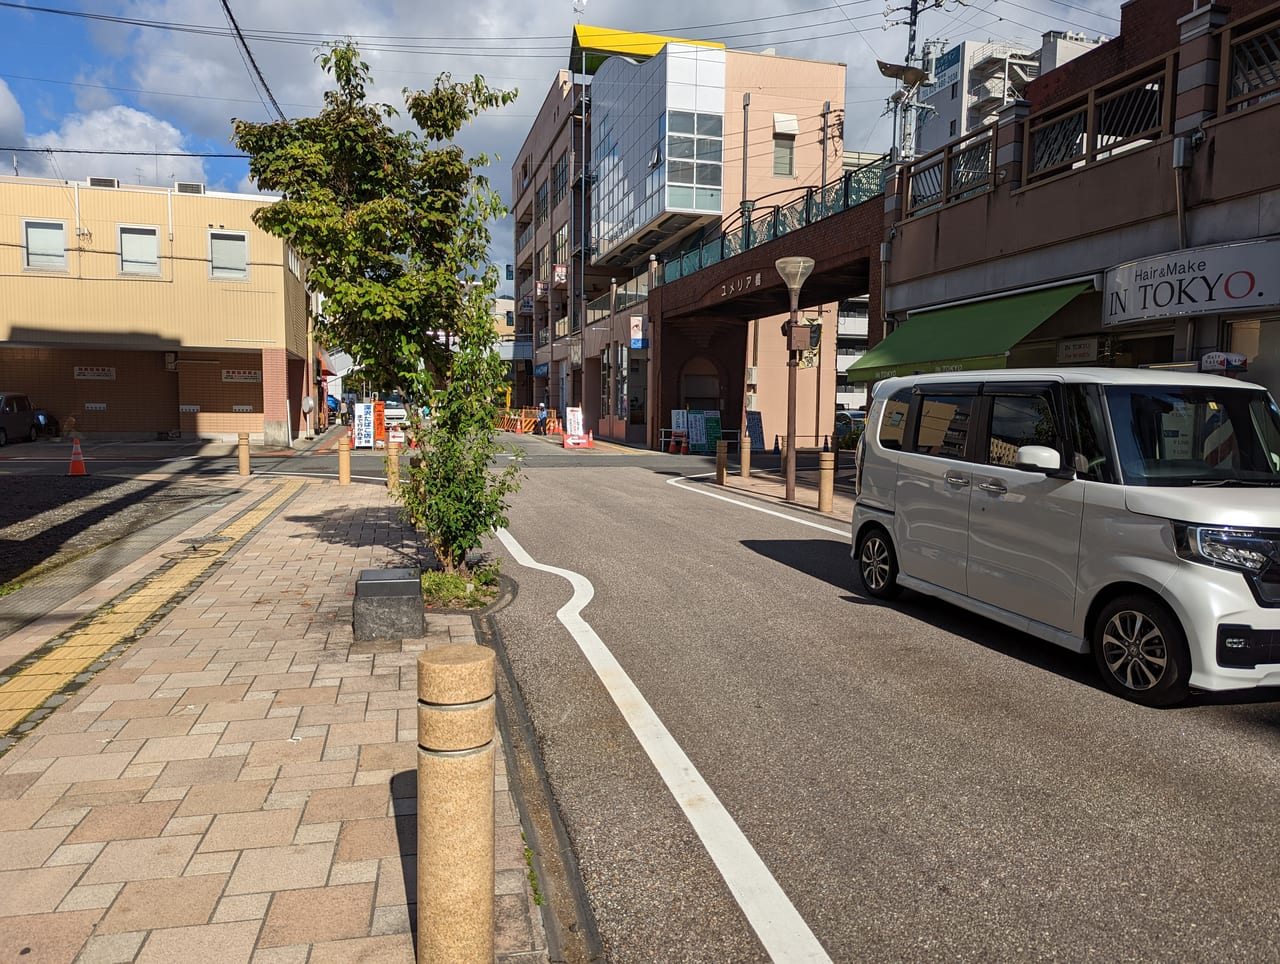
1197,281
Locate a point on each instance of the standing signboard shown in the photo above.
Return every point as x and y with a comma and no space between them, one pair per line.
755,430
362,435
573,421
379,424
697,423
712,420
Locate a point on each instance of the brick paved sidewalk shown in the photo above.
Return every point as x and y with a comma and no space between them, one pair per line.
239,784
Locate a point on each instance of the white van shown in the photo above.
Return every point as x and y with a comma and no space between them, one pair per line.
1130,513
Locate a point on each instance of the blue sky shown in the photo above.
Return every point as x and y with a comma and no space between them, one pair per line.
91,83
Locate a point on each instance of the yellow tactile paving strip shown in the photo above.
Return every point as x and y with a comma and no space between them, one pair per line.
28,690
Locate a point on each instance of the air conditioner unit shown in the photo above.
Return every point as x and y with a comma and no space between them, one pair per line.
103,182
188,187
751,374
753,401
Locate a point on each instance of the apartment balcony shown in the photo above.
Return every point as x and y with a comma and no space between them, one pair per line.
524,238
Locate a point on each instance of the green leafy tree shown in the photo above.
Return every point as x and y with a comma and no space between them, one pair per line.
394,228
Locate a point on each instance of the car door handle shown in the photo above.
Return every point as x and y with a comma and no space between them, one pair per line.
956,480
994,487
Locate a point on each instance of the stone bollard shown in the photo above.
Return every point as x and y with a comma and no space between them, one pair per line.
722,461
744,457
243,451
826,480
393,465
344,459
455,804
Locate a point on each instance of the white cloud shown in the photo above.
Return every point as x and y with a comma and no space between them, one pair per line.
115,128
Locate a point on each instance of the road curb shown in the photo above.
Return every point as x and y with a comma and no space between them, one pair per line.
570,926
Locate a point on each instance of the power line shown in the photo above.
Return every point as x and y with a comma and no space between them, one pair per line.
243,45
71,150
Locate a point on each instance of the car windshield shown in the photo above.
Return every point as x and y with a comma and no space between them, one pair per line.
1195,435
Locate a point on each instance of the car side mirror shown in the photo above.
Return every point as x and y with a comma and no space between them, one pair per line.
1038,458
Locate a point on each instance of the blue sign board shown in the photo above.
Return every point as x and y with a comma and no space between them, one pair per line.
541,371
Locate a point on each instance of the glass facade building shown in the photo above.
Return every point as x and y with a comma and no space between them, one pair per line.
657,140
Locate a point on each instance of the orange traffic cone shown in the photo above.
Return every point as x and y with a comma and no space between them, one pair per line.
77,460
674,447
684,445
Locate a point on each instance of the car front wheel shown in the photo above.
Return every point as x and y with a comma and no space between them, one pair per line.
33,434
3,437
1141,651
878,565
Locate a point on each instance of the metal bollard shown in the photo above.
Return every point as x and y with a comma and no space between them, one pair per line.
455,804
826,480
744,457
344,459
722,461
243,451
393,465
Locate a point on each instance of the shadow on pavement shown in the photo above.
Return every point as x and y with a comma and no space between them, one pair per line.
404,805
44,517
365,527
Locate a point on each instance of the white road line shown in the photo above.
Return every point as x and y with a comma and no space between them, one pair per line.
780,928
703,490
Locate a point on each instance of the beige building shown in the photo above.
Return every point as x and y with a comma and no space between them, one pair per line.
143,311
675,135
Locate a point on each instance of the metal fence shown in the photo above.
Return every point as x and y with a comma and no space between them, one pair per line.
851,189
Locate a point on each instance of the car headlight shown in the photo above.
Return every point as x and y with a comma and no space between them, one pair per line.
1241,549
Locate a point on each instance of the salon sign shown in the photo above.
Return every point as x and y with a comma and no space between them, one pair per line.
1197,281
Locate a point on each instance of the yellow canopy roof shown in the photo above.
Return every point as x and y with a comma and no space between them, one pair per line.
598,44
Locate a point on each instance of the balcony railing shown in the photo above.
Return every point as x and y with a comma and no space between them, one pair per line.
953,172
630,294
1106,122
851,189
1254,68
524,238
522,347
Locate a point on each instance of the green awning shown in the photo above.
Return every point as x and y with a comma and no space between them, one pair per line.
964,338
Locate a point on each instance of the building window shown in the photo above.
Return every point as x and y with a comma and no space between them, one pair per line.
511,319
295,263
695,153
784,155
560,250
46,245
560,179
951,129
540,204
139,251
786,127
228,254
955,89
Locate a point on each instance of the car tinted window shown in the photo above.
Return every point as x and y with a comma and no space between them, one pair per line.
893,424
1018,420
944,425
23,403
1087,427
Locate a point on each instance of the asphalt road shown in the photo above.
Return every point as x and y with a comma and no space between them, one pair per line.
921,783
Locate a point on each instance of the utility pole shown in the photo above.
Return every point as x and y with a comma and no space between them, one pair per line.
905,100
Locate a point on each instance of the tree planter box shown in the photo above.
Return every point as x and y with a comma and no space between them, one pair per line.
388,605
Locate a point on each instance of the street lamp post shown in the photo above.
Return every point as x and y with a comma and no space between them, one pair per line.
793,271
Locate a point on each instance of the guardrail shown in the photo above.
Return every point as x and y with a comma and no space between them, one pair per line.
851,189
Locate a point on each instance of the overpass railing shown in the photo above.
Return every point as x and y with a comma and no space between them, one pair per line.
851,189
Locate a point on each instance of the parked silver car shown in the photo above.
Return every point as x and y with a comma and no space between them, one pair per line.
1126,513
17,418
